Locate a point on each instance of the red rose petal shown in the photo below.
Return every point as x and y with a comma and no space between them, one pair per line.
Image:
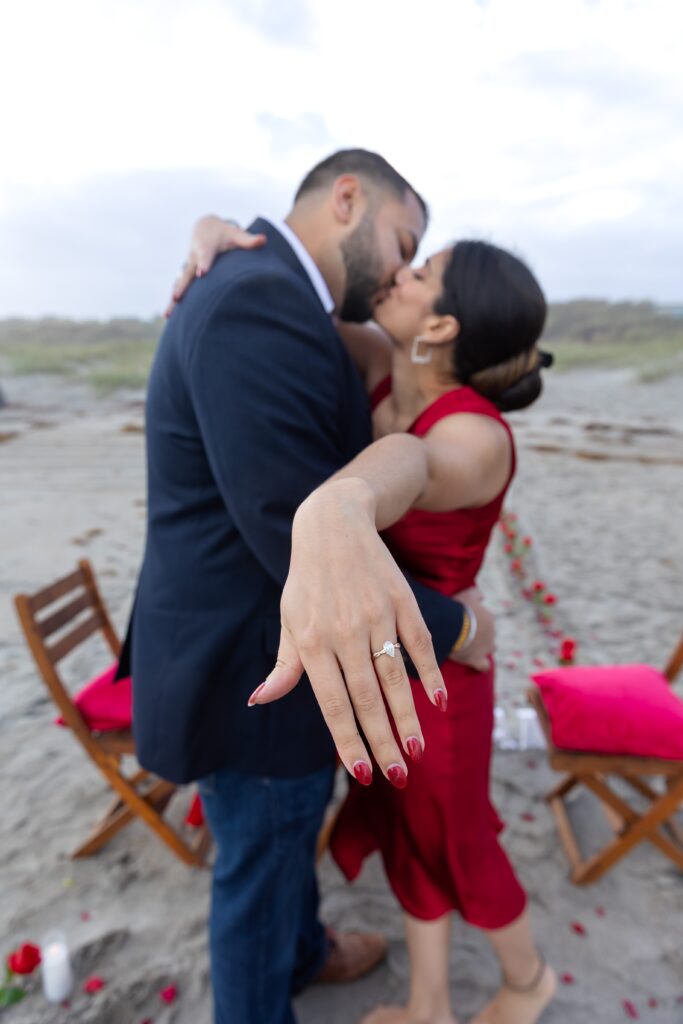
195,815
652,1002
528,816
630,1009
600,912
169,994
85,915
532,764
578,928
567,978
93,984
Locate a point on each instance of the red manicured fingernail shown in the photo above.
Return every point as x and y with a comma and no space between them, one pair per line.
440,699
415,748
252,699
362,772
397,776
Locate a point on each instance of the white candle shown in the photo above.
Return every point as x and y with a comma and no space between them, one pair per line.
530,732
55,965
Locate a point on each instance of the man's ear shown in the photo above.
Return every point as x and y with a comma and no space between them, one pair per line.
441,328
348,198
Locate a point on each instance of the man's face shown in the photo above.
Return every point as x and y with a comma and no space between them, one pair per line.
386,239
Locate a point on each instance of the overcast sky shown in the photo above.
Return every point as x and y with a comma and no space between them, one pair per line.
554,127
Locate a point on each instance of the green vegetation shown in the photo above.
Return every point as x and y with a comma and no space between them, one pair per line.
593,333
118,353
108,355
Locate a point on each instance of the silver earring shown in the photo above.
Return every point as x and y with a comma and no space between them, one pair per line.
416,356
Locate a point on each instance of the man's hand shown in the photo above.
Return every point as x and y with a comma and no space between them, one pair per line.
477,653
211,236
343,599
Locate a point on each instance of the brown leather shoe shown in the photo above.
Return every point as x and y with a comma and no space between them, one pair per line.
352,954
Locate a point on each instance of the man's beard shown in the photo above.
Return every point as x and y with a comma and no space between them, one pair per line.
363,273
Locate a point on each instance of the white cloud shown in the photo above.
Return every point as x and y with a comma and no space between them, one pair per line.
534,123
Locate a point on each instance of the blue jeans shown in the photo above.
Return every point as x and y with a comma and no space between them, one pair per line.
265,937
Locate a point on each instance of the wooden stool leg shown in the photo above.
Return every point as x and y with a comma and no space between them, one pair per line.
567,837
145,810
119,814
638,828
117,817
562,789
642,787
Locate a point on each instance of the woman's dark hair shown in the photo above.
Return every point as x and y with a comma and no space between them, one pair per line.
501,311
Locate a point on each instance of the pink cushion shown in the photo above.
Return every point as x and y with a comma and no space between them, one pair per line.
613,709
104,704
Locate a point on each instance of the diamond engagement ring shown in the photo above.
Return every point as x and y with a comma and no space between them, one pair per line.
389,649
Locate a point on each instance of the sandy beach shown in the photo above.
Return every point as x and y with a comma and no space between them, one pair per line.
600,492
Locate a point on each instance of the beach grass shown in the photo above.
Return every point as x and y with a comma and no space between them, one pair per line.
107,364
115,354
650,359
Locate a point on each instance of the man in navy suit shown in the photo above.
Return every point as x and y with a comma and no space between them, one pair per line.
252,403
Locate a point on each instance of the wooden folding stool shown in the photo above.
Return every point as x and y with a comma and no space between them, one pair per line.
81,613
592,770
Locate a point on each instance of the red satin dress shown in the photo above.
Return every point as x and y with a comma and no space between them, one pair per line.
438,837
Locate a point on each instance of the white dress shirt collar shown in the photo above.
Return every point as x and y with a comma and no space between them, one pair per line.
307,262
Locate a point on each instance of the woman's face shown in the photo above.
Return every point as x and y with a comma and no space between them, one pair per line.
410,301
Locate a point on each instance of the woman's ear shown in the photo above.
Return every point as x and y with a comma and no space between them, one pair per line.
441,329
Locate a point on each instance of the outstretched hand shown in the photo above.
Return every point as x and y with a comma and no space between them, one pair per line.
211,236
343,599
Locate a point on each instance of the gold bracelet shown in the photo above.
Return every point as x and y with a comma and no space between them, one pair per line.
464,633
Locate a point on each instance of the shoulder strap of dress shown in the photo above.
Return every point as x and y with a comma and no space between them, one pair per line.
464,399
380,392
457,400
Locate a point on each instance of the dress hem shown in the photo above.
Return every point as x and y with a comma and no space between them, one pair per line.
352,875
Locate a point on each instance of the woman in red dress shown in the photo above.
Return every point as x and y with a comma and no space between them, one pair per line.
458,344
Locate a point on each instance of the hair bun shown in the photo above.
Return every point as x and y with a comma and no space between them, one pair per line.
522,393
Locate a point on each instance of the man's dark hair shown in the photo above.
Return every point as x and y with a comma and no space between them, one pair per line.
371,167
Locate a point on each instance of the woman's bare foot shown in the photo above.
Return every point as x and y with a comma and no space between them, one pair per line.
405,1015
512,1007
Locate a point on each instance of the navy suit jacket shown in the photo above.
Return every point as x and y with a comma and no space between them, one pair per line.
252,403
